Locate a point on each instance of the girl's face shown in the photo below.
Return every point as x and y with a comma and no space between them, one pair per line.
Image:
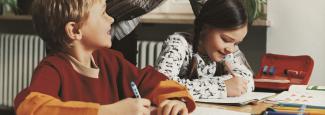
217,43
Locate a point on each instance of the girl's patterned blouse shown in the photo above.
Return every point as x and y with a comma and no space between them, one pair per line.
175,58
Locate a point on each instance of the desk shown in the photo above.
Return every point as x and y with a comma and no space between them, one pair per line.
255,109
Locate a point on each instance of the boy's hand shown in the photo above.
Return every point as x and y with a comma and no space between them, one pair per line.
172,107
236,86
129,106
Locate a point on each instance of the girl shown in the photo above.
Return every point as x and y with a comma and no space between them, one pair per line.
198,61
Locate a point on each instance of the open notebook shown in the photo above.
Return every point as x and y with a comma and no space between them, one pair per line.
242,100
302,94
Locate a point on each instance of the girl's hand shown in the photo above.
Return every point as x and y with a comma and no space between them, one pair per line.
172,107
236,86
129,106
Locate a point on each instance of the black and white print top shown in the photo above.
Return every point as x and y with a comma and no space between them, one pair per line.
175,58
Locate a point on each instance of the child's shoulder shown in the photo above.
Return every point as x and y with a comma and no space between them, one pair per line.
60,59
108,53
181,37
57,60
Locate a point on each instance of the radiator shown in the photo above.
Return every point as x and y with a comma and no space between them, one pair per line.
148,51
19,55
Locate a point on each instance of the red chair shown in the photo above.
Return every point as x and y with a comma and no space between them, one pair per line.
288,70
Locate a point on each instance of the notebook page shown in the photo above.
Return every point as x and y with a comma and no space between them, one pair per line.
244,98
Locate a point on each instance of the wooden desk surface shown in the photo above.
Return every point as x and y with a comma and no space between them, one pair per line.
254,109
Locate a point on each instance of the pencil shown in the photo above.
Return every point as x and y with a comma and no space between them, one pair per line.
135,90
296,110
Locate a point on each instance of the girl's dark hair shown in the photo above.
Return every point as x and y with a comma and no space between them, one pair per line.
221,14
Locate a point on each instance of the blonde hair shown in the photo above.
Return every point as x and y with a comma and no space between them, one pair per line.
51,16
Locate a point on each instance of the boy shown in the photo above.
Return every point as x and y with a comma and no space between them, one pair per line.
81,76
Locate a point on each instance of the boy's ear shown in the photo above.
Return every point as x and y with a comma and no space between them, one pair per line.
72,30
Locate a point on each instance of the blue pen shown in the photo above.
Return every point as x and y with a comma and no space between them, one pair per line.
277,113
289,104
135,90
272,70
301,112
299,105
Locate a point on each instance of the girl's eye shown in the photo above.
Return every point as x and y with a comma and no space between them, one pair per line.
225,40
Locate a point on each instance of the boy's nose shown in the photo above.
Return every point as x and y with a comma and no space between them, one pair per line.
112,19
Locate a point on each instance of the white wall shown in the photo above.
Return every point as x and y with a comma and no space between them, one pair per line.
298,28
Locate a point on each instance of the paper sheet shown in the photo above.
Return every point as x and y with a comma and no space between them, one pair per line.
299,95
242,99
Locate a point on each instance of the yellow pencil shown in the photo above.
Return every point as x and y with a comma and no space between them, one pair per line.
296,108
311,111
305,112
